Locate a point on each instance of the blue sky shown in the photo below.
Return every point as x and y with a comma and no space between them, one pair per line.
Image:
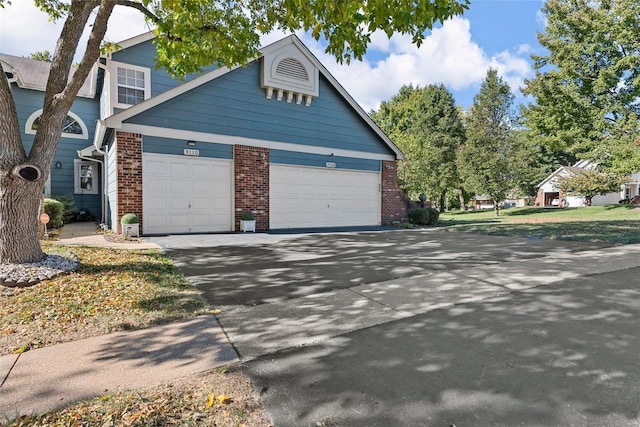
492,33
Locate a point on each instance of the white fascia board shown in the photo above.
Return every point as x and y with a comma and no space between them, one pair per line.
116,120
239,140
550,177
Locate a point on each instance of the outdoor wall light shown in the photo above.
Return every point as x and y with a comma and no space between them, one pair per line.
191,143
58,165
263,156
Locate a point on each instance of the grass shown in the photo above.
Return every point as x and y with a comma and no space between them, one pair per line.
613,223
112,290
191,401
117,290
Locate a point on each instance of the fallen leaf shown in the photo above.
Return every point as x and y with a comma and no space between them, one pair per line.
223,398
210,400
216,311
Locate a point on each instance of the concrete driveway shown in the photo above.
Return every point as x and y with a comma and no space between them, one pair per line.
410,328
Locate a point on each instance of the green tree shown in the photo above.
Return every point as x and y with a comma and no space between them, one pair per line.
189,35
590,183
426,125
488,162
586,89
43,55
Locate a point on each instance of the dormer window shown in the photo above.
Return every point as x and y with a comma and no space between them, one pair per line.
73,126
131,84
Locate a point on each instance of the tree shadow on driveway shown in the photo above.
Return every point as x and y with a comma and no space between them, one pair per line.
251,275
564,354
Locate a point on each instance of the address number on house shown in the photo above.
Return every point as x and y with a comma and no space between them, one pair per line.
191,152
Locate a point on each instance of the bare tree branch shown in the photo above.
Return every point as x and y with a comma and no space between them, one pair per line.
140,7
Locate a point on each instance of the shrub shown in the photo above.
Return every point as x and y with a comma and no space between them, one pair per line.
419,216
247,216
129,218
68,207
54,209
434,215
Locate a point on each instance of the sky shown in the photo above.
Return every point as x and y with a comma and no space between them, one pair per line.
500,34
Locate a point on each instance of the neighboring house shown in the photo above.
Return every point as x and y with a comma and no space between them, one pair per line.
280,138
549,194
485,202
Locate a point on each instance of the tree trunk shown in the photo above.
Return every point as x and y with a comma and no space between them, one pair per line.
463,206
19,216
441,207
496,207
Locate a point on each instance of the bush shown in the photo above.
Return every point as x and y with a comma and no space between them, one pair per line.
247,216
129,218
54,209
419,216
434,215
68,207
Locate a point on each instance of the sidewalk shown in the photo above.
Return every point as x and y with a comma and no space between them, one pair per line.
52,377
86,234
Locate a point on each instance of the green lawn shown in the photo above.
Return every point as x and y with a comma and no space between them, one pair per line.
612,223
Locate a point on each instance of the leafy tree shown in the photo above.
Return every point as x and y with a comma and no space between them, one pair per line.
589,183
426,125
189,35
43,55
488,162
587,88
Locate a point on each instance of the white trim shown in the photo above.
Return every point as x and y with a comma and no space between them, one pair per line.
112,67
77,163
140,38
239,140
32,118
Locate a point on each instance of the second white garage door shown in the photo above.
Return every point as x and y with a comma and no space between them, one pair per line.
317,197
185,194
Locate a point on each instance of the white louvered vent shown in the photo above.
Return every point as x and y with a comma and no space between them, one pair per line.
289,75
293,69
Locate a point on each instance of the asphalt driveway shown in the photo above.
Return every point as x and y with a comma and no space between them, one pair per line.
247,275
430,328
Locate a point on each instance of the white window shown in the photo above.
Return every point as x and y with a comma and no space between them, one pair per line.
131,84
85,177
73,126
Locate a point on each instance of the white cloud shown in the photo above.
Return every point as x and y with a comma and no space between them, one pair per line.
448,55
24,29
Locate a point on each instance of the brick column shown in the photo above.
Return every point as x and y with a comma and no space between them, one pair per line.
129,176
395,204
251,181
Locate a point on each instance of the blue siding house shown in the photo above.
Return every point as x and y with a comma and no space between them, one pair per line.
279,138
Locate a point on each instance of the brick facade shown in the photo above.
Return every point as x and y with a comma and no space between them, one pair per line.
395,203
129,176
251,183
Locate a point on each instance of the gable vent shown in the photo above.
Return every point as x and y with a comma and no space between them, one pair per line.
293,69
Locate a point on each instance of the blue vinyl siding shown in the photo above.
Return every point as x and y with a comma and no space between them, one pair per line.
235,105
318,160
143,55
151,144
62,180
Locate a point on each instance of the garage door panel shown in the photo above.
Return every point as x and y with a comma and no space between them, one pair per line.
186,195
313,197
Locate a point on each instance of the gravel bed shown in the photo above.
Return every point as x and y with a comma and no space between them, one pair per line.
22,275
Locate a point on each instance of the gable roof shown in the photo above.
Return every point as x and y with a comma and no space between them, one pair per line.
32,74
115,121
568,170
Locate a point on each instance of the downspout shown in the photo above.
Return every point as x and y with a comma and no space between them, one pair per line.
99,135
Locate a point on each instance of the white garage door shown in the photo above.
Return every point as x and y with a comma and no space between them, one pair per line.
316,197
185,194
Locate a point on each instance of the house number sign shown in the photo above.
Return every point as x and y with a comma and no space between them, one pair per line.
191,152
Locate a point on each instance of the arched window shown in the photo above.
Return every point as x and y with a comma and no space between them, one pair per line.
73,126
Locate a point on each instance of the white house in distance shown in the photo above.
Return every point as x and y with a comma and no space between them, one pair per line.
549,194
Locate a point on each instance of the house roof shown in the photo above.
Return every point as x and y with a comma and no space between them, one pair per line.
568,170
32,74
116,120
